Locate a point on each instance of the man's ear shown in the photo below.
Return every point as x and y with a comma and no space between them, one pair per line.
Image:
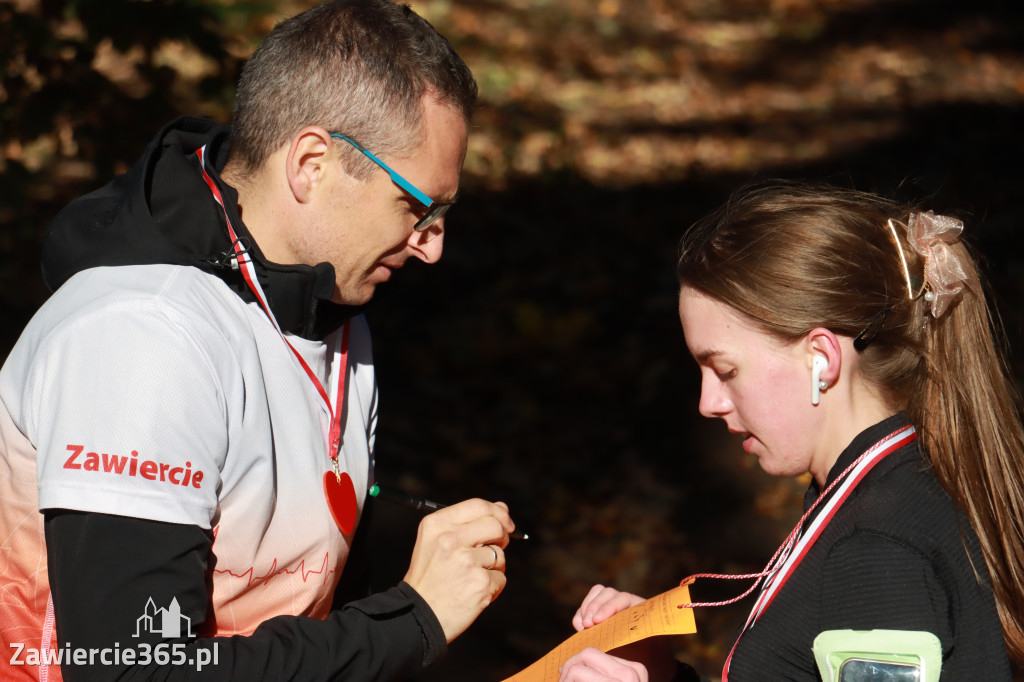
307,164
822,342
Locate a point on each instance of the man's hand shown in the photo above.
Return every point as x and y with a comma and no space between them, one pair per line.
458,563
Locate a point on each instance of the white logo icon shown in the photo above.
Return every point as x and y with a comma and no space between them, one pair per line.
165,622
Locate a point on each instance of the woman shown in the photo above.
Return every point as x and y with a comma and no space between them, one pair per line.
846,335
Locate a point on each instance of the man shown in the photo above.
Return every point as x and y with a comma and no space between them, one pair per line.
193,410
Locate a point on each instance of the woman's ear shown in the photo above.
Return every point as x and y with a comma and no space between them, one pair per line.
825,361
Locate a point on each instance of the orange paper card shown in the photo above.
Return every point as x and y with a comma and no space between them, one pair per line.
658,615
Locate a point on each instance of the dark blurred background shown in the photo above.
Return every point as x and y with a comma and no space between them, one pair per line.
541,361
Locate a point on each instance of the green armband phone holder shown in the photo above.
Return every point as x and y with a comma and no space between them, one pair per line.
878,656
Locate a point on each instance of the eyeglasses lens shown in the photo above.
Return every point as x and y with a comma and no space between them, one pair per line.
433,214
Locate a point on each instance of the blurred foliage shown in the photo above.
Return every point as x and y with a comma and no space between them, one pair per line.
541,361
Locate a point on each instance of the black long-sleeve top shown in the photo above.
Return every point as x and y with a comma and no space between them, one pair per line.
102,567
897,555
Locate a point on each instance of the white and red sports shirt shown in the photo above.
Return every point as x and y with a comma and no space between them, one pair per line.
154,391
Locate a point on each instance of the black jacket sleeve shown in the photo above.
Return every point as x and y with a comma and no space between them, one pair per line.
874,580
103,570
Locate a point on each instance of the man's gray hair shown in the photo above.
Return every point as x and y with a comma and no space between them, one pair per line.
358,67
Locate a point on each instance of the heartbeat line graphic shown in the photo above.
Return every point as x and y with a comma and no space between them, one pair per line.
273,572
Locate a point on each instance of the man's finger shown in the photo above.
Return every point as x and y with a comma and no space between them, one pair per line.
471,509
493,557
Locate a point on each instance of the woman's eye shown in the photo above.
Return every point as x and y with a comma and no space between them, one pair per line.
725,376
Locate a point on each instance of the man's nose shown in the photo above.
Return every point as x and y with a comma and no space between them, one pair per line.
428,244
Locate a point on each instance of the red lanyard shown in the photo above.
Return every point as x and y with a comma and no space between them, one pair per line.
795,547
332,403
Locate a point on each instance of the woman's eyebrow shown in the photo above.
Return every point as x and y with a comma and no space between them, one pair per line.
705,355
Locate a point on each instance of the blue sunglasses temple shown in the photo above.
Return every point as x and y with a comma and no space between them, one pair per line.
395,177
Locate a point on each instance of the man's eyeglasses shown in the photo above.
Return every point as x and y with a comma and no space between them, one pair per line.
434,209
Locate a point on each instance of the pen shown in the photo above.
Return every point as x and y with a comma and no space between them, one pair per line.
421,503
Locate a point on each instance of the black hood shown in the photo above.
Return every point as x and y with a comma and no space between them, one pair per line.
161,211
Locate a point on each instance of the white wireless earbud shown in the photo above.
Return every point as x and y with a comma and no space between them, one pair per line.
818,365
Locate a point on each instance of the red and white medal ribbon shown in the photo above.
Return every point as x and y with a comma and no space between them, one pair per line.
340,497
800,540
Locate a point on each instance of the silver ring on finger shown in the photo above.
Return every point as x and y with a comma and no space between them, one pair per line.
495,553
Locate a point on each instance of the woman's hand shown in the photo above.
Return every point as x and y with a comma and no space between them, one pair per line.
600,604
593,665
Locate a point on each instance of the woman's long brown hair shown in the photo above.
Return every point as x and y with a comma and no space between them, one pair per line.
793,257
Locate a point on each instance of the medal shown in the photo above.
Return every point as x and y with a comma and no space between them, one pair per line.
339,492
341,500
